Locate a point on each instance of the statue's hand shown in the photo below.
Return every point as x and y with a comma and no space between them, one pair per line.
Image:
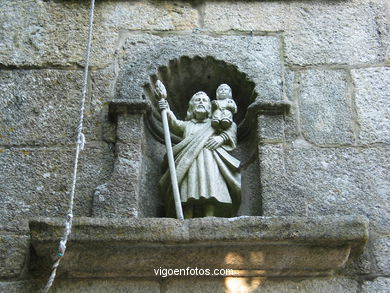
163,105
214,142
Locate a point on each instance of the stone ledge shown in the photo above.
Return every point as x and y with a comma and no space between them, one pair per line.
129,106
251,246
269,107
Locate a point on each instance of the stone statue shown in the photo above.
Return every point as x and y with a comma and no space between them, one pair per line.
208,176
223,108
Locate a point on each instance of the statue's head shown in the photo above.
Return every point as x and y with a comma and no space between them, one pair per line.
199,107
224,92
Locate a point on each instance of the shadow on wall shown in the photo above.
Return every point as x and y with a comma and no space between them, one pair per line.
184,77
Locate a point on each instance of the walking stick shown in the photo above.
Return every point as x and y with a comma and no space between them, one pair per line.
162,93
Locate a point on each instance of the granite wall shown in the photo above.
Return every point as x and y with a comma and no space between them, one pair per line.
328,155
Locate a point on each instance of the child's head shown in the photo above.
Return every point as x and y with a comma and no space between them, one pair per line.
224,92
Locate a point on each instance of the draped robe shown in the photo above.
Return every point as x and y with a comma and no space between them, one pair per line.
204,176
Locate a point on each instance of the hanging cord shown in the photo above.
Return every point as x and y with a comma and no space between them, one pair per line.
79,147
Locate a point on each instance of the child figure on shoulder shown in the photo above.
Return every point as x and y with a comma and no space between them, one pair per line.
223,108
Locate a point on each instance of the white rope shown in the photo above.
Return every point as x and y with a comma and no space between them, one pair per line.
79,146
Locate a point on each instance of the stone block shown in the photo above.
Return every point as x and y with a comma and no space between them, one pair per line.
280,196
130,129
41,107
38,33
329,181
105,286
101,93
103,87
143,15
251,200
193,286
298,180
21,286
36,181
362,264
336,33
325,109
381,252
263,285
244,16
372,99
270,128
120,196
13,255
379,285
292,124
315,33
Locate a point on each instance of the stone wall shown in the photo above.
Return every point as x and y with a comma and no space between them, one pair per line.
329,155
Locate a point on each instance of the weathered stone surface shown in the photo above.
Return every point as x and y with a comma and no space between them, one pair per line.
102,92
105,286
381,252
119,196
329,181
144,54
262,285
13,254
316,230
315,32
21,286
292,124
325,110
379,285
150,200
243,16
77,286
250,184
38,33
372,99
36,181
301,180
160,16
279,195
271,246
362,264
41,107
270,128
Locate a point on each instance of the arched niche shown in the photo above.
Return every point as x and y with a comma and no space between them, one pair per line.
183,77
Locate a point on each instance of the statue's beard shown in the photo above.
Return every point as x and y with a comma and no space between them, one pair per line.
201,112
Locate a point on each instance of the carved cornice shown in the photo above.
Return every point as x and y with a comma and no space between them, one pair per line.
130,106
251,246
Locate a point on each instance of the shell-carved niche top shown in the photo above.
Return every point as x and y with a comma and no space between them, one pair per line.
185,76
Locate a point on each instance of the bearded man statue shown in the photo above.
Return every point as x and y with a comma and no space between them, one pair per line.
208,176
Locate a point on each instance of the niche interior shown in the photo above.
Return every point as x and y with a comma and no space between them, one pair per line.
182,78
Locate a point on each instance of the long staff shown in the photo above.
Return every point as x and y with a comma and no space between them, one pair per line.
162,93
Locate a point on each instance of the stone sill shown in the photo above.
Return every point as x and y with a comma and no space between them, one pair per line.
251,246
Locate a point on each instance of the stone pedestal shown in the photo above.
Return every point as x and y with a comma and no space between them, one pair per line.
249,246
